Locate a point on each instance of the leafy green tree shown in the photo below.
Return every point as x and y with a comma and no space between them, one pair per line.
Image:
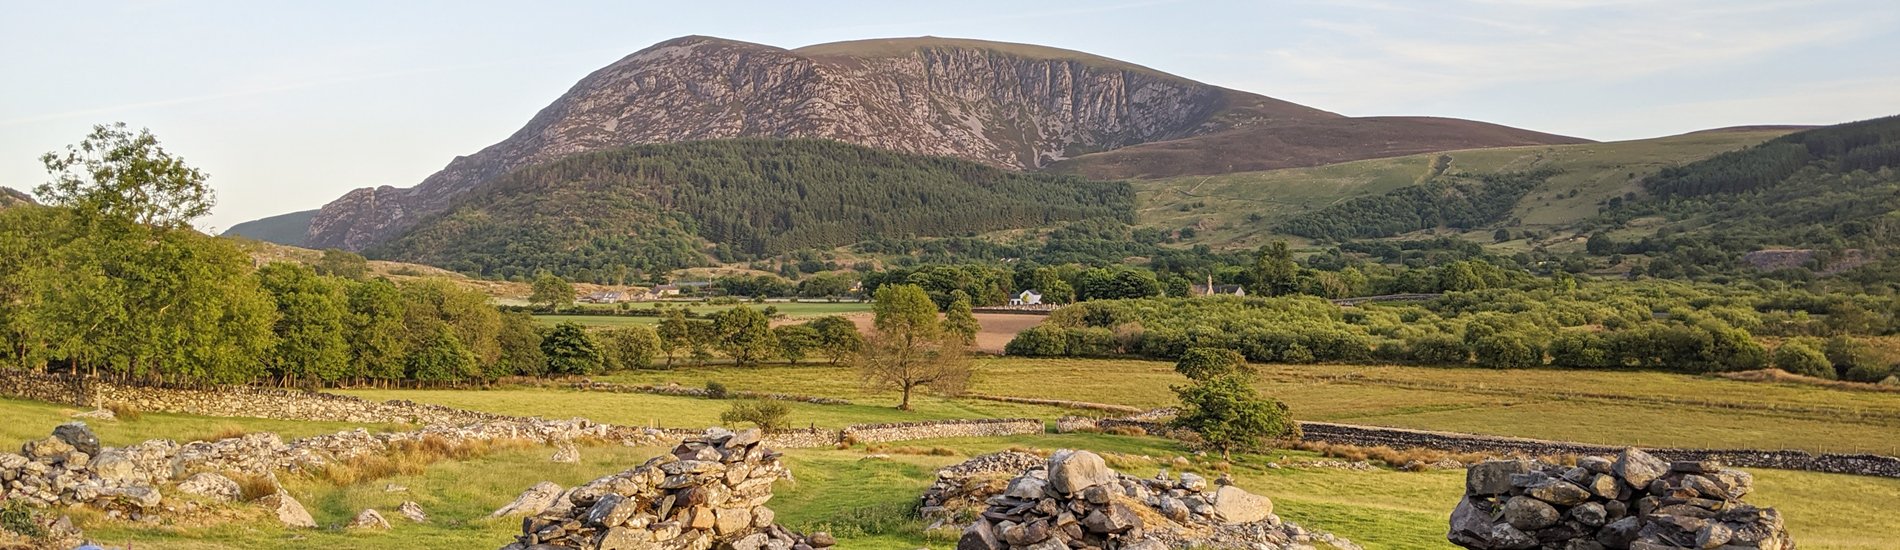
1507,350
117,173
1206,364
1229,414
551,292
745,335
1177,287
1042,340
377,343
311,323
571,350
436,301
959,321
1502,235
909,352
838,337
796,341
342,263
520,340
441,358
675,333
1275,270
630,347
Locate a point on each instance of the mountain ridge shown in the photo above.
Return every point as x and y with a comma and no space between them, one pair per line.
1013,106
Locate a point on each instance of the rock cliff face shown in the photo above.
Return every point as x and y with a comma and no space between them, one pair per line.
1008,105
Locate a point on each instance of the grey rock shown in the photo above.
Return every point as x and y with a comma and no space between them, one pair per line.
1604,486
287,510
1620,533
369,519
1559,492
1590,513
412,511
1234,505
76,433
610,510
1072,471
1529,514
1638,468
1471,524
211,486
1025,488
1193,483
1494,477
1505,537
535,500
624,538
1596,464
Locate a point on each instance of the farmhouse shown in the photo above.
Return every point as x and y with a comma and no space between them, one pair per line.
605,297
1027,298
1211,290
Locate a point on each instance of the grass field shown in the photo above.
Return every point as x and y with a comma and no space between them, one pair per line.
791,310
1617,408
1596,171
867,502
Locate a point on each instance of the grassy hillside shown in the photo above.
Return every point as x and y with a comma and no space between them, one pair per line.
1279,144
1223,208
285,229
650,207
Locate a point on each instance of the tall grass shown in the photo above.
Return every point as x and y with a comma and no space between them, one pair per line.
411,458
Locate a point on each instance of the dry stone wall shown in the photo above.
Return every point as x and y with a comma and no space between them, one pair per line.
908,431
230,401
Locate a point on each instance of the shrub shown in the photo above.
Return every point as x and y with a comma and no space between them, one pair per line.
1043,340
126,412
716,390
1439,349
1800,356
15,516
765,413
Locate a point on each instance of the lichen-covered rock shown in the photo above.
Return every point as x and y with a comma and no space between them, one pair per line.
77,434
532,501
212,487
287,510
369,519
412,512
1072,471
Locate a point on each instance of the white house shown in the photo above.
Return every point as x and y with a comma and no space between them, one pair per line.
1211,290
1027,298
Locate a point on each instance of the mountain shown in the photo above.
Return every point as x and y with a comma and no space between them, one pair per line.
616,213
284,229
1012,106
14,197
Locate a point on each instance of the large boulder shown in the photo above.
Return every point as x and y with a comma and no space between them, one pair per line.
1529,514
1072,471
76,433
1234,505
535,500
211,487
287,510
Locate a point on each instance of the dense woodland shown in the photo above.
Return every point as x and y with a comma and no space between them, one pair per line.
1454,201
619,214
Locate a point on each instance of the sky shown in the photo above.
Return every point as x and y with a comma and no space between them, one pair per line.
289,105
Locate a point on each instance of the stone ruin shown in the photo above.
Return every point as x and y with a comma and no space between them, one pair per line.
1073,500
1633,502
709,491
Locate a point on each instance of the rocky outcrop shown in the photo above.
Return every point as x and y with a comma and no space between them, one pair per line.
1634,501
711,490
1073,500
1007,105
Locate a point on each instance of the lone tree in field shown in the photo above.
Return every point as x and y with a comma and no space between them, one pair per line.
910,351
551,292
1222,406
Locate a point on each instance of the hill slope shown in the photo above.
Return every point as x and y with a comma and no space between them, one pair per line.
285,229
651,207
1011,106
1228,203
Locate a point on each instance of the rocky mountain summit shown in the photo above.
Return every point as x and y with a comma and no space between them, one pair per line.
1013,106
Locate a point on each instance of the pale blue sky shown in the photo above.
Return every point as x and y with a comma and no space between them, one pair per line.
288,105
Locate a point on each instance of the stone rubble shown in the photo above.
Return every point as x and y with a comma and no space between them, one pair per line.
709,491
1073,500
412,512
1632,502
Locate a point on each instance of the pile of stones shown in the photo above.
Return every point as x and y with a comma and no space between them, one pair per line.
70,467
965,485
1074,501
1634,501
709,491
